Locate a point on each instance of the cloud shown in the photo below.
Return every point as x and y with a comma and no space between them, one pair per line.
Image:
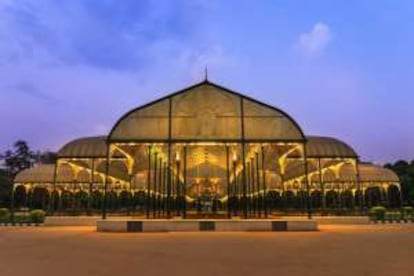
72,68
316,41
30,89
105,34
214,58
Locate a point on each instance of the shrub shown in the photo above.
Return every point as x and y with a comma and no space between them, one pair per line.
37,216
21,219
4,214
408,213
393,216
377,213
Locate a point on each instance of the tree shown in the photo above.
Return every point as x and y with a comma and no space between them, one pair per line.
5,185
405,172
46,157
18,159
14,161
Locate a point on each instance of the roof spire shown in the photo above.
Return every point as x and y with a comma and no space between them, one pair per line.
205,74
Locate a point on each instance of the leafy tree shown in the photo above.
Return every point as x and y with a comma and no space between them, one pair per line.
46,157
14,160
405,171
5,185
18,159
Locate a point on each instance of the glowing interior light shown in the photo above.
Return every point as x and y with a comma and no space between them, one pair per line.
234,157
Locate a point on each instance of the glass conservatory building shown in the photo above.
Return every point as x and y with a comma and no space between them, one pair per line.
206,151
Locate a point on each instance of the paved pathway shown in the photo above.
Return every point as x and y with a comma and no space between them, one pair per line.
335,250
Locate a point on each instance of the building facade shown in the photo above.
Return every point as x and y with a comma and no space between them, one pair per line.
207,151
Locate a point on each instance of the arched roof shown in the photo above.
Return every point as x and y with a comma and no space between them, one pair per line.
205,112
368,173
87,147
375,173
326,147
43,174
318,146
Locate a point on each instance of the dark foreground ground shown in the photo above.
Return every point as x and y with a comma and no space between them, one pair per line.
335,250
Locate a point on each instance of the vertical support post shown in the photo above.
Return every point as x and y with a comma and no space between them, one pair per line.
59,207
92,181
340,193
235,189
401,197
353,197
228,181
29,199
308,200
44,198
370,199
160,187
52,198
173,187
148,199
283,195
244,207
169,158
384,191
12,201
248,199
361,197
131,193
243,144
264,182
164,188
185,182
154,194
259,197
105,199
322,185
75,202
177,188
252,187
26,198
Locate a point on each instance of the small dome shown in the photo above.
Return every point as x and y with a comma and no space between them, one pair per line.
88,147
327,147
44,174
375,173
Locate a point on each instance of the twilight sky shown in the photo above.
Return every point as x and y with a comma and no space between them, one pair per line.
71,68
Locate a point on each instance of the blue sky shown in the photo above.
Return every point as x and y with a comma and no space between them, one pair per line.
70,68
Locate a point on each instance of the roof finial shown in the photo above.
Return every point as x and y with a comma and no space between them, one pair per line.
205,74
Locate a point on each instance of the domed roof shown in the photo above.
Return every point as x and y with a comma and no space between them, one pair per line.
367,173
43,174
86,147
206,112
327,147
375,173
